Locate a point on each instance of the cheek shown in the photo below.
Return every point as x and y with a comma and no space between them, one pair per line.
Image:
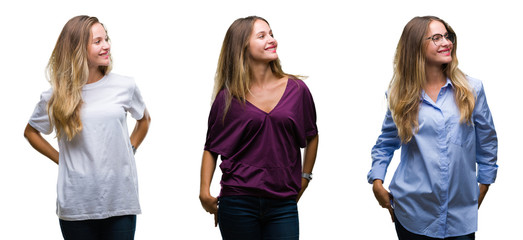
95,51
91,55
91,51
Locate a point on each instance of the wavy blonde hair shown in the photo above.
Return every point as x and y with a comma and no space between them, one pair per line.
233,72
68,72
407,82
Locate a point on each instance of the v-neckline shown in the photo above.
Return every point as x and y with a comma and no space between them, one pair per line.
277,104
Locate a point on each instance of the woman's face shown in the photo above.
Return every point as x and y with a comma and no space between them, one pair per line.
98,49
439,48
262,45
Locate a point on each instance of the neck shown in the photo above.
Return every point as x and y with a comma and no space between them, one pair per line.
94,75
434,75
261,73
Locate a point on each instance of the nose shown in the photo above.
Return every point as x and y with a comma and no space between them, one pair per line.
444,41
106,45
272,40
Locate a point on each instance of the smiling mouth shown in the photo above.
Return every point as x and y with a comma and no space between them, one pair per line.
105,54
271,49
446,51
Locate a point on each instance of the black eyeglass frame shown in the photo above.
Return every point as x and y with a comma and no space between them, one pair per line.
451,37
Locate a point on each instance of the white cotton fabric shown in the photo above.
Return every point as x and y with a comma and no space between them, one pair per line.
97,171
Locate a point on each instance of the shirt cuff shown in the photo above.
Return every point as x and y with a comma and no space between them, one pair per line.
487,175
376,173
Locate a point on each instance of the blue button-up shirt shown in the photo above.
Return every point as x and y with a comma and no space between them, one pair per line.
435,187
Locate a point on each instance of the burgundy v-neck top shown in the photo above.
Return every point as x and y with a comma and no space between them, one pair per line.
260,151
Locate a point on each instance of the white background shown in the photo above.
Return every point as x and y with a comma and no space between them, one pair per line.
346,48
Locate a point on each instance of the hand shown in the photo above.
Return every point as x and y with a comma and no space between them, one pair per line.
304,185
383,196
210,204
483,189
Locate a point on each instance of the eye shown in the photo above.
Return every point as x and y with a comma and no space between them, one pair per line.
437,37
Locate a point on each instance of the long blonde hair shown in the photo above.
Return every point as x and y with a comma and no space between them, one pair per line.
407,82
68,72
233,72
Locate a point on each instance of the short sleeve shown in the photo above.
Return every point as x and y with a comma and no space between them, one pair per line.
309,113
136,105
227,135
215,126
40,119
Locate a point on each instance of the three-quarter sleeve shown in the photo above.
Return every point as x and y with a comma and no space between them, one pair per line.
383,150
486,140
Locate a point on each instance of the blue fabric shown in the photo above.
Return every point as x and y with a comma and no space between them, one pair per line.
435,187
248,217
403,234
113,228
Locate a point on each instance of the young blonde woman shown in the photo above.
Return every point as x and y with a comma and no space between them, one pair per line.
440,119
87,107
259,120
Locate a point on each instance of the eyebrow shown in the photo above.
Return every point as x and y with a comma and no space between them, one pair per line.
104,36
441,33
263,31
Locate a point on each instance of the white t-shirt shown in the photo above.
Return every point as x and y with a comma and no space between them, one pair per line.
97,172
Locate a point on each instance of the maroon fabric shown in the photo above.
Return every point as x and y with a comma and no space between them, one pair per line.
260,151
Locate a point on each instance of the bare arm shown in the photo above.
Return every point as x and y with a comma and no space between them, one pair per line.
40,144
309,159
209,203
483,189
140,129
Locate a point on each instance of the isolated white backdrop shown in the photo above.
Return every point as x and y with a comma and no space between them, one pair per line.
171,48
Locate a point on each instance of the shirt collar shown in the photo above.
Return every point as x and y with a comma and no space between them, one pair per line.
447,84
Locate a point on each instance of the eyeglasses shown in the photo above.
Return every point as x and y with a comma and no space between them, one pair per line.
437,38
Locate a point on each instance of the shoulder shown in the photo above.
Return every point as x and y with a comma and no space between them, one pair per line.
122,82
297,81
120,79
220,97
46,95
298,84
222,94
475,84
298,90
112,75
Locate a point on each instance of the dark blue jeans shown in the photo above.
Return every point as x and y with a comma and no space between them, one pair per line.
246,217
113,228
404,234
